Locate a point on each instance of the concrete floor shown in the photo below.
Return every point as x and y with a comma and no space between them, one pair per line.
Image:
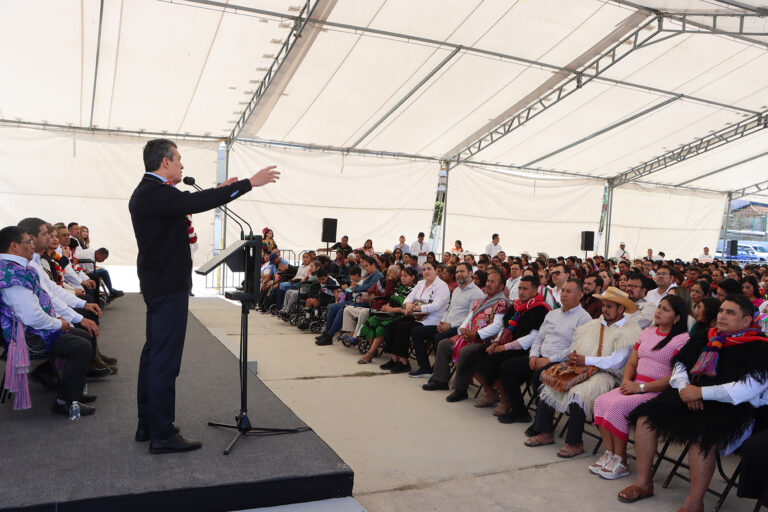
411,450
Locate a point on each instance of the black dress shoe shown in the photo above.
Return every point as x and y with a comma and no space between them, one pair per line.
389,364
87,399
175,443
401,368
324,342
457,396
514,417
85,410
531,432
142,433
433,385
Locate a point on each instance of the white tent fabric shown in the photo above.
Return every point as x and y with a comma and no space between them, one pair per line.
376,198
89,179
533,215
679,223
386,76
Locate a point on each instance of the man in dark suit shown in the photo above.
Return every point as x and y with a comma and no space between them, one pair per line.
164,264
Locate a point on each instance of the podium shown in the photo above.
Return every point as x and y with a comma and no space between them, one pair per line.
244,256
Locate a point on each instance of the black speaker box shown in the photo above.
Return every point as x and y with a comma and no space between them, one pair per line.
733,248
329,230
587,240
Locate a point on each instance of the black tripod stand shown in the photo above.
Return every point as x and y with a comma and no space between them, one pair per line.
250,296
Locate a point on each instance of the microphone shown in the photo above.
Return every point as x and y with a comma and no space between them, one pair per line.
189,180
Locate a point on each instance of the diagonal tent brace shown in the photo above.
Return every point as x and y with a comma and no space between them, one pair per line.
750,190
617,51
713,140
695,23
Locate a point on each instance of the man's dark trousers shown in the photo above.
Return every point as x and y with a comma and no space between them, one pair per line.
161,361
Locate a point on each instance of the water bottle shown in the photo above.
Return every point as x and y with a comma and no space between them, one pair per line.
74,411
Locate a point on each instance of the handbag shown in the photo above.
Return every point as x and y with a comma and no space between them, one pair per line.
562,376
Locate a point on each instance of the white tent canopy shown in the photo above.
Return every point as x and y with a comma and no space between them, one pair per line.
360,103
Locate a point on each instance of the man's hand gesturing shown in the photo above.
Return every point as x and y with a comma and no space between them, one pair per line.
264,176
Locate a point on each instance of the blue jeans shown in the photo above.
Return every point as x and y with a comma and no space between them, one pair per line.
104,276
334,319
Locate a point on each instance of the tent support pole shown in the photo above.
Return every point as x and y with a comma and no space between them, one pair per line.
445,204
609,216
726,218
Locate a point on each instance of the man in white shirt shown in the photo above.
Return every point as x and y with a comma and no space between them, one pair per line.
42,329
462,298
513,283
705,257
493,248
560,274
664,283
419,249
637,288
622,252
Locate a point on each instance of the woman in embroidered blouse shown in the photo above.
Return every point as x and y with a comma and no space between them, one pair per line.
424,305
646,374
268,244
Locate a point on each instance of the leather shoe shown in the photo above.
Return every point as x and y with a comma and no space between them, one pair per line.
175,443
87,399
514,417
85,410
457,396
142,433
98,372
327,340
433,385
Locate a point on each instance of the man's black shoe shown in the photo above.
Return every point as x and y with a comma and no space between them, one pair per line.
457,396
514,417
433,385
401,368
98,372
326,340
118,293
175,443
87,399
531,432
85,410
389,364
142,433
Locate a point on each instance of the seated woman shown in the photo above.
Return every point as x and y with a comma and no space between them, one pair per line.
367,248
424,305
379,293
291,296
375,327
698,291
457,248
397,255
646,374
449,277
480,277
751,290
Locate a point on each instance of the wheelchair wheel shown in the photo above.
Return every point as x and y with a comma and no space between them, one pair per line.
315,327
363,346
295,319
273,309
345,342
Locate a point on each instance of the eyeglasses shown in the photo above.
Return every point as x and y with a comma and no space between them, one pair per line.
30,242
556,272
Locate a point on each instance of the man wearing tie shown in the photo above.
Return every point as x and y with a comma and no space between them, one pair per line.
164,264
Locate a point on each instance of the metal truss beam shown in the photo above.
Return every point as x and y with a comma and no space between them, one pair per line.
693,23
616,52
750,190
762,11
96,69
467,49
725,168
405,98
713,140
299,23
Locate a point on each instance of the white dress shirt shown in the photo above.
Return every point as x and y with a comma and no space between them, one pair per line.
706,258
461,303
63,301
513,285
435,298
493,249
644,314
26,304
616,359
654,297
418,247
621,253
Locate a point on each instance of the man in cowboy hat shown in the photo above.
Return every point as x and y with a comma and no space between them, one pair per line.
605,343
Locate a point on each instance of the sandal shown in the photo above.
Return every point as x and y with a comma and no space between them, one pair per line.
487,400
634,493
535,441
568,453
362,360
501,409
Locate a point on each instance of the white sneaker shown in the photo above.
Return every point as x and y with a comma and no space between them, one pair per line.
614,469
601,462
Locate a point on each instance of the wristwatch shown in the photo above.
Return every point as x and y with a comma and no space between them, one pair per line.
642,387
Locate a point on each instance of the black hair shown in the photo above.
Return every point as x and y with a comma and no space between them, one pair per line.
355,270
370,260
494,235
411,272
154,152
103,250
321,272
534,280
482,277
431,263
711,308
598,280
451,270
466,265
704,285
69,226
679,327
743,302
323,259
753,281
31,225
578,282
9,235
731,286
566,268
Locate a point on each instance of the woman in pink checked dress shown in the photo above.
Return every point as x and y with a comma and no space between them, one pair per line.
646,374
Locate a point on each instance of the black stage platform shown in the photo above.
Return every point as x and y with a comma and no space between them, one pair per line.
49,463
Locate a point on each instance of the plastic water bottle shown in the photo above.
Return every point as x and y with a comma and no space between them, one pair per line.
74,411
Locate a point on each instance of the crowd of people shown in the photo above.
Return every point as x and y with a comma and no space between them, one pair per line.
674,350
51,303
